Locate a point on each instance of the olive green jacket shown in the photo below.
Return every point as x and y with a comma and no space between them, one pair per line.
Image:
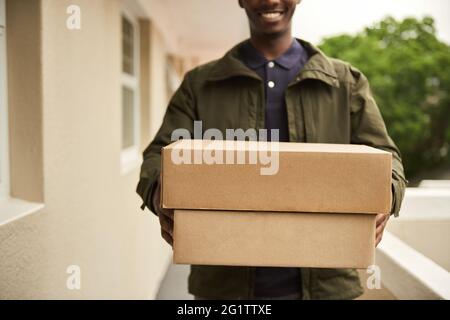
329,102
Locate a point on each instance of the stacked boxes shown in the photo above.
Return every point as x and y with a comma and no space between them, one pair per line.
281,204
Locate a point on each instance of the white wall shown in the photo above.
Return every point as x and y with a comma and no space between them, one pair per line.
91,216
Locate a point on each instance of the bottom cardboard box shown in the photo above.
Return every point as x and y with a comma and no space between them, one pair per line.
274,239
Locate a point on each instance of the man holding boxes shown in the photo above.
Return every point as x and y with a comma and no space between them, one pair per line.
273,81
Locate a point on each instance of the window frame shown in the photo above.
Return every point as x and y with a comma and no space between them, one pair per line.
130,156
12,206
4,136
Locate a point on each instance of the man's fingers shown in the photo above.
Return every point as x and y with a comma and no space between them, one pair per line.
167,237
378,239
166,224
381,221
380,228
381,218
157,205
167,212
165,216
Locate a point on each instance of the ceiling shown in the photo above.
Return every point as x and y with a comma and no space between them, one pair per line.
199,27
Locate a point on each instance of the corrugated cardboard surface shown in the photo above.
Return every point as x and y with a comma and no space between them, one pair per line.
311,178
282,239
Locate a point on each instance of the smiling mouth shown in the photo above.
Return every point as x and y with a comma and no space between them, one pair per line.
271,16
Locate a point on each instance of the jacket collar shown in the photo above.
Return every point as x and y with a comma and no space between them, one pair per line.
318,67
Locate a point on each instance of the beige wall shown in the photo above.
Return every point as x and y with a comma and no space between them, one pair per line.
158,84
91,216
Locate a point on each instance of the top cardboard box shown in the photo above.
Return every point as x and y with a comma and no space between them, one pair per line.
270,176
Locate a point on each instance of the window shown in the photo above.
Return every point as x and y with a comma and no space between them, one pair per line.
4,154
130,91
20,201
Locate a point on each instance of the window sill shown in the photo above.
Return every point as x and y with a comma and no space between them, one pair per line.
13,209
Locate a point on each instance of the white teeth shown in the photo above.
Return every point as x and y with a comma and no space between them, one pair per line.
271,15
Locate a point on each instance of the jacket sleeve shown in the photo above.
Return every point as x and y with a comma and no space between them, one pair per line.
180,114
368,127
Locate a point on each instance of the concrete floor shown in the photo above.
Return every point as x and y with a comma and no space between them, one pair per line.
174,286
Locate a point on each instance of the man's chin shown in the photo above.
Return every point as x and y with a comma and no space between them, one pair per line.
275,32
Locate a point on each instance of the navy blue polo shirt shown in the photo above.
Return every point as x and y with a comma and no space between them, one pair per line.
276,75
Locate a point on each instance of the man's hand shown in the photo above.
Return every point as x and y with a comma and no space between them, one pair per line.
165,216
381,220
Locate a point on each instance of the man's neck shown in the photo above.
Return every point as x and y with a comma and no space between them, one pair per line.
272,46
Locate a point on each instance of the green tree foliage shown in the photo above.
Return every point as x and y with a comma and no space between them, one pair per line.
409,72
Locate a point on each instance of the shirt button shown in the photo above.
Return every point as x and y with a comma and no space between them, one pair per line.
271,84
271,64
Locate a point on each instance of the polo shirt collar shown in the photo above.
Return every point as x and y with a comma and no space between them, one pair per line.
318,66
254,59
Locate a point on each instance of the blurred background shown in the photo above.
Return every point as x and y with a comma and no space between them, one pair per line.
83,89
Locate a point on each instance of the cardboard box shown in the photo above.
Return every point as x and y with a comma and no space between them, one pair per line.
278,239
287,177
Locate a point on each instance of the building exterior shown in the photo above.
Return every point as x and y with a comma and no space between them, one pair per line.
83,88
